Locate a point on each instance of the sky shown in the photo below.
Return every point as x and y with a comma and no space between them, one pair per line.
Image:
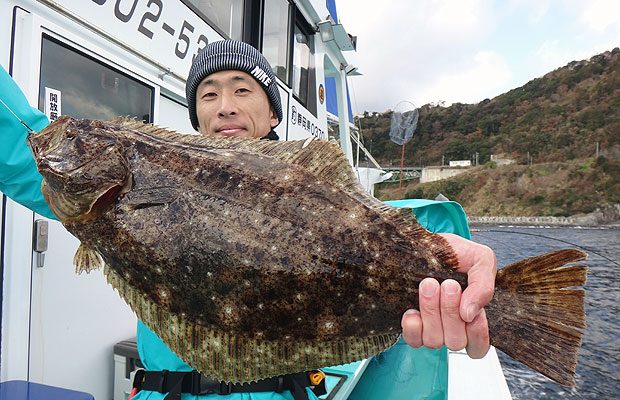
431,51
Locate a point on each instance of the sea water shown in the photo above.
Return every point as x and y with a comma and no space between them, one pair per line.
598,369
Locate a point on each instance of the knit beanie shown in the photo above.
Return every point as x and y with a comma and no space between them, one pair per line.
225,55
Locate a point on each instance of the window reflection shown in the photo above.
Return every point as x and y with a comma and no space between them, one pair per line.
301,64
303,68
90,89
275,36
227,16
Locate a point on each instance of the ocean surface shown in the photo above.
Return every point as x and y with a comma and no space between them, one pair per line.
598,369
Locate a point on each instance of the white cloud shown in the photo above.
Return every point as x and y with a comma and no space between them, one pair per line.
447,15
458,50
406,46
535,9
487,74
599,15
550,56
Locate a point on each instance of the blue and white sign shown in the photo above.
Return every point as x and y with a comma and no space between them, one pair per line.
52,104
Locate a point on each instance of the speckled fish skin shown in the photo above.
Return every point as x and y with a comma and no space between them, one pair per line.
253,259
251,244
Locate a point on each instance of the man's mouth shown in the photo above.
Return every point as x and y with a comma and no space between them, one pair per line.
229,130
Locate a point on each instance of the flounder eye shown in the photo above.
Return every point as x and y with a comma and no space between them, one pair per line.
71,133
53,158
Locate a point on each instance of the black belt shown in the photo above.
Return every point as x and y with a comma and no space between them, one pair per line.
175,383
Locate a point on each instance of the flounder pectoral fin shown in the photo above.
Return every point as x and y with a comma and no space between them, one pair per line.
86,259
151,197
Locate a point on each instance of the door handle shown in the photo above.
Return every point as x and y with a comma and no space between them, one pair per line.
39,241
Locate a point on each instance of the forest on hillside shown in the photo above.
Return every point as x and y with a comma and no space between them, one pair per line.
565,115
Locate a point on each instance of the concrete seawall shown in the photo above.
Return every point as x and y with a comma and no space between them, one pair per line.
609,216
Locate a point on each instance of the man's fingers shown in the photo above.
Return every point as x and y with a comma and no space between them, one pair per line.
432,332
478,336
480,264
479,292
412,328
453,326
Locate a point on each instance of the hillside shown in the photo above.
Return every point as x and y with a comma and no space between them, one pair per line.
552,127
545,189
558,117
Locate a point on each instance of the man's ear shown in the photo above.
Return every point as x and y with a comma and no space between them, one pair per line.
273,117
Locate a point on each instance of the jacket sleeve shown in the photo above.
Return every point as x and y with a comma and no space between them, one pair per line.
19,178
402,372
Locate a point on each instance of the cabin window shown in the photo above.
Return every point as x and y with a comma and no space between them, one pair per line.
173,114
276,35
303,65
224,16
288,45
86,88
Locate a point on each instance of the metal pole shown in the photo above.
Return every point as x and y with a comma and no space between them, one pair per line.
357,157
596,150
402,159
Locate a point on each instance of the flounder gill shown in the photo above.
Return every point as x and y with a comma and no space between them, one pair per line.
252,259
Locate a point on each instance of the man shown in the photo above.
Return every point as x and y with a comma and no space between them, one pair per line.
224,100
231,91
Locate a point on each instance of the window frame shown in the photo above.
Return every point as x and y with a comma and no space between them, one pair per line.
75,49
298,20
247,4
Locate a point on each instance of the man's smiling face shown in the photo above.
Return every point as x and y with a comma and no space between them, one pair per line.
232,103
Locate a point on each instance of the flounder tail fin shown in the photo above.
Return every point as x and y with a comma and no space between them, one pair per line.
538,313
86,259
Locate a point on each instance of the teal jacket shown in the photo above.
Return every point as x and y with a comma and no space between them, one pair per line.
20,180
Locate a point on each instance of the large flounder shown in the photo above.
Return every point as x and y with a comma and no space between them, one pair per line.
252,259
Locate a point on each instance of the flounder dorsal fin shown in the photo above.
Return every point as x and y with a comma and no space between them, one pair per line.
86,259
323,158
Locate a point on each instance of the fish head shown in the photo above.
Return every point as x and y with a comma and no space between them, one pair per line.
83,166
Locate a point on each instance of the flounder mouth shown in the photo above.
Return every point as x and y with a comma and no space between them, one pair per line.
83,206
49,137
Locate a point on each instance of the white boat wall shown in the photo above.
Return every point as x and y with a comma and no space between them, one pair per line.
103,58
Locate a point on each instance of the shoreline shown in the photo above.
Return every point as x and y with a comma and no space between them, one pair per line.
608,217
540,221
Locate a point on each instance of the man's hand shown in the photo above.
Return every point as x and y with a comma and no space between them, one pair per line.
449,317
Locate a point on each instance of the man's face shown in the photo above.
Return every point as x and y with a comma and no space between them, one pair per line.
232,103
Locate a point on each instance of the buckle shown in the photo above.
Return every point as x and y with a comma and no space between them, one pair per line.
280,387
202,385
163,377
138,378
226,388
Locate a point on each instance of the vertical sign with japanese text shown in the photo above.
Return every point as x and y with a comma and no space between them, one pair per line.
52,104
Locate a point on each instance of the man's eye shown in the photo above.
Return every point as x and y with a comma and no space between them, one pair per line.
209,94
242,90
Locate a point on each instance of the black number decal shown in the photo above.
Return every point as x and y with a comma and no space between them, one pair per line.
151,17
183,38
201,39
100,2
120,15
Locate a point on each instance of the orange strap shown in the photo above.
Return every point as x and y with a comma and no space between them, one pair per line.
134,392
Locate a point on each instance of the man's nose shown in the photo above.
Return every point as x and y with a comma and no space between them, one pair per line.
228,105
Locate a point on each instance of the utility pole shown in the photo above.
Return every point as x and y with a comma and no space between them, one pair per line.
596,150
